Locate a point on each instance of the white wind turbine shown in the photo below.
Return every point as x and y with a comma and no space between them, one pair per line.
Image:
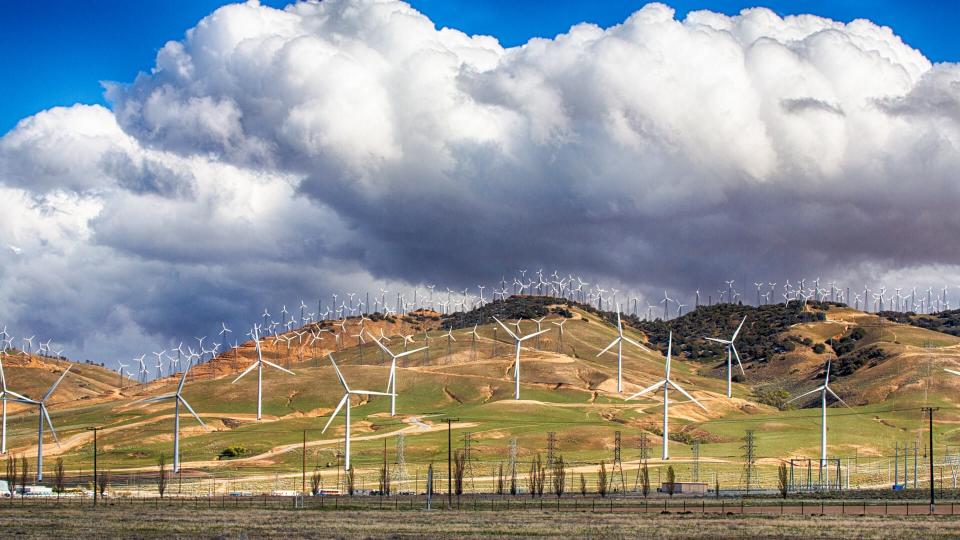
259,367
516,366
44,415
823,389
6,395
178,399
666,383
618,341
347,392
392,381
731,351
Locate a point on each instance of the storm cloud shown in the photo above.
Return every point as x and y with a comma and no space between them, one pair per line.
273,155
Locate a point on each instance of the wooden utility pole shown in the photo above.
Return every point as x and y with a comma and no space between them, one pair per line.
929,410
303,466
449,422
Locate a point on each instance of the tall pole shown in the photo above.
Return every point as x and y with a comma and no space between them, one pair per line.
303,466
450,422
929,410
40,445
666,421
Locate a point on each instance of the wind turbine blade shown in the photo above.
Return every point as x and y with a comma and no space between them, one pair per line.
647,389
832,393
815,390
737,355
183,379
688,396
381,345
738,328
612,343
271,364
335,411
339,375
16,395
635,344
514,336
528,336
371,393
248,370
159,398
948,370
56,384
189,408
725,342
408,353
49,423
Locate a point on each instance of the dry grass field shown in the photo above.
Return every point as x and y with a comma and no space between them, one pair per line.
134,522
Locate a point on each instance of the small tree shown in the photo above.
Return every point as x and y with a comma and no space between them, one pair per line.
541,476
500,479
716,486
513,479
58,476
316,482
602,481
559,476
459,466
162,477
383,478
532,476
349,478
24,475
103,481
671,481
583,485
11,475
782,480
430,480
645,480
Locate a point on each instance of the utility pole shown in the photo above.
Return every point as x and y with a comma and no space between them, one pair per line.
450,422
94,429
303,466
929,410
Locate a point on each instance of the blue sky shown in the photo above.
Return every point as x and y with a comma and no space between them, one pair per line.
66,48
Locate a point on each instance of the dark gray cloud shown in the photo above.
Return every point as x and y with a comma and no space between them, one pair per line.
277,155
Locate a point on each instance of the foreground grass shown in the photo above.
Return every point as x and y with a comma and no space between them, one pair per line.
127,522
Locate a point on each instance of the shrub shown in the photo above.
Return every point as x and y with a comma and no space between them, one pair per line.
231,452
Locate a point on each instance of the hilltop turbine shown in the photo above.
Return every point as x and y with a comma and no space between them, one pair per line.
347,392
666,383
44,415
392,381
731,352
823,389
618,341
6,395
178,399
516,366
259,366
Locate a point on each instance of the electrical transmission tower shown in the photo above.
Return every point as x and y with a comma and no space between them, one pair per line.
512,464
468,459
617,472
749,476
696,461
644,456
551,447
400,469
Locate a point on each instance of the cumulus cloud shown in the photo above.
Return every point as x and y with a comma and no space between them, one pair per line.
276,154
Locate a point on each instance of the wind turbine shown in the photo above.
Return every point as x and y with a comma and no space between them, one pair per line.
731,351
516,366
392,381
259,366
347,392
823,389
43,415
6,395
666,383
560,337
178,399
618,341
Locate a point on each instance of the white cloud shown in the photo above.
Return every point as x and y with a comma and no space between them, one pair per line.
273,153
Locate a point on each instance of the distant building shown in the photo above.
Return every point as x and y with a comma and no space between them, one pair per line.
685,488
